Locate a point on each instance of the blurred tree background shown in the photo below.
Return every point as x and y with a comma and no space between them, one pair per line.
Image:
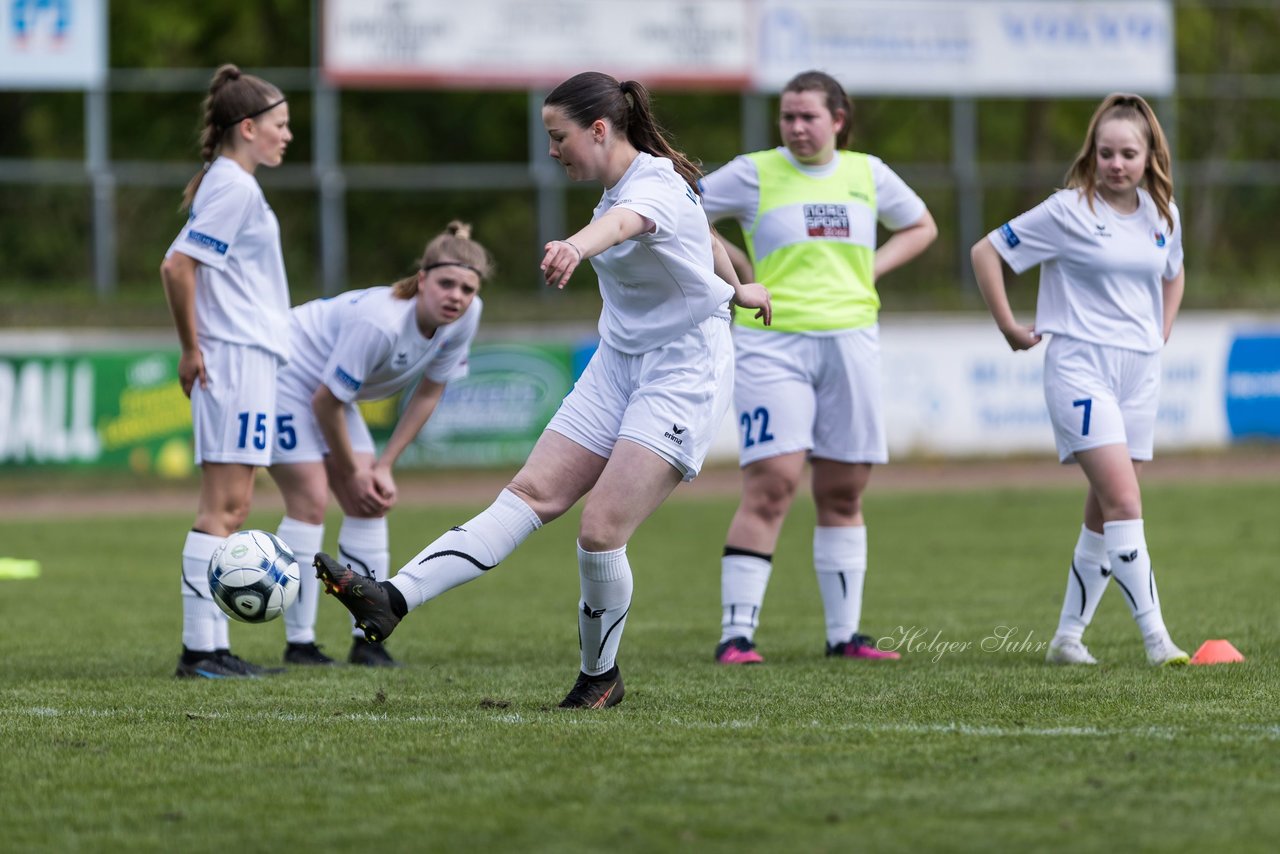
45,230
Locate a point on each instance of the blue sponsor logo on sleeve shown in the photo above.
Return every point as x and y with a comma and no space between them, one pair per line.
1006,231
207,241
347,380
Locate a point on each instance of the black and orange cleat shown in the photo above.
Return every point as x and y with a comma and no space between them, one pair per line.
595,692
366,599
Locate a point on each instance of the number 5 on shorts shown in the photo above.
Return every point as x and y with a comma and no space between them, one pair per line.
1087,403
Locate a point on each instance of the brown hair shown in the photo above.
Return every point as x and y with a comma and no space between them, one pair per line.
451,246
592,95
1158,177
836,100
233,97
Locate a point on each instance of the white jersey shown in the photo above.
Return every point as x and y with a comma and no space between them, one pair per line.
733,191
1101,272
366,345
242,294
657,286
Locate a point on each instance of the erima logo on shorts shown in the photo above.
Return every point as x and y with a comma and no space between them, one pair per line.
347,380
674,435
207,241
1006,231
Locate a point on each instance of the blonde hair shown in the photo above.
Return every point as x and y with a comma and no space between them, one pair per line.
1158,176
233,97
451,246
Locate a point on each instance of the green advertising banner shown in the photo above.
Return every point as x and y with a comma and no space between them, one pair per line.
493,416
125,410
120,409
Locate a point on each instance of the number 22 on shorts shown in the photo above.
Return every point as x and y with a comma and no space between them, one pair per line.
759,419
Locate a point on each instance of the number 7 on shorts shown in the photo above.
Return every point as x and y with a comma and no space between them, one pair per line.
1087,403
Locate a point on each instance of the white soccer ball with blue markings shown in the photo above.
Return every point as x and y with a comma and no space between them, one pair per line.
253,576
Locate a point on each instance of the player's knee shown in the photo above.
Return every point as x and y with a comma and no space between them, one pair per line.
599,531
1122,507
544,503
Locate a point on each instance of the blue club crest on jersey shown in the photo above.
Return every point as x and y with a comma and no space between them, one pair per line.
1158,237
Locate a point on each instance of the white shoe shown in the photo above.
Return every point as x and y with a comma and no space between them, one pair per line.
1067,651
1162,652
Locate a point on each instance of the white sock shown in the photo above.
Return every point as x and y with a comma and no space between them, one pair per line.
606,584
222,631
840,559
743,579
1086,582
364,545
200,615
304,540
468,551
1131,566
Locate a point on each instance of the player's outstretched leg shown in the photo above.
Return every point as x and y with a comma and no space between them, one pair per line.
373,604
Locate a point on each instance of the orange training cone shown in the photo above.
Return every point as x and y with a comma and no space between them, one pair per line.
1216,652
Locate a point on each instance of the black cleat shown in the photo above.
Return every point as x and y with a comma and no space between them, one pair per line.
248,668
370,654
365,598
306,653
595,692
207,666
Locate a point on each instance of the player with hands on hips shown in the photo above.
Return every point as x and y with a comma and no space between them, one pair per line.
225,282
809,386
1109,247
643,414
366,345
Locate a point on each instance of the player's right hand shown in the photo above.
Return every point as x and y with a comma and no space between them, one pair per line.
190,369
1021,337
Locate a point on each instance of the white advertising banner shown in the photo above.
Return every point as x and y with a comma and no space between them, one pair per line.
989,47
52,44
536,42
909,47
953,388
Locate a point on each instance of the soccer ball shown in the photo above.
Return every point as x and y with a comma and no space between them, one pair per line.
253,576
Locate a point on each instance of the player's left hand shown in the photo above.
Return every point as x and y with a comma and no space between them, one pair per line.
559,262
360,496
385,485
754,295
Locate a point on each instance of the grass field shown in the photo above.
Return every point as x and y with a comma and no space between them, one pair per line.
954,748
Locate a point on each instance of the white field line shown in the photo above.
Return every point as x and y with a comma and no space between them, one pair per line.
1224,732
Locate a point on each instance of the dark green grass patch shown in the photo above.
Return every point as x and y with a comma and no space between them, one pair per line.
969,743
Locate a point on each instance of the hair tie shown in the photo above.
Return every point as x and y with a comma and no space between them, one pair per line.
430,267
270,106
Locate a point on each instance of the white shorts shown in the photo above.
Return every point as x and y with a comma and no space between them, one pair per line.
298,436
816,393
671,400
234,418
1101,395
